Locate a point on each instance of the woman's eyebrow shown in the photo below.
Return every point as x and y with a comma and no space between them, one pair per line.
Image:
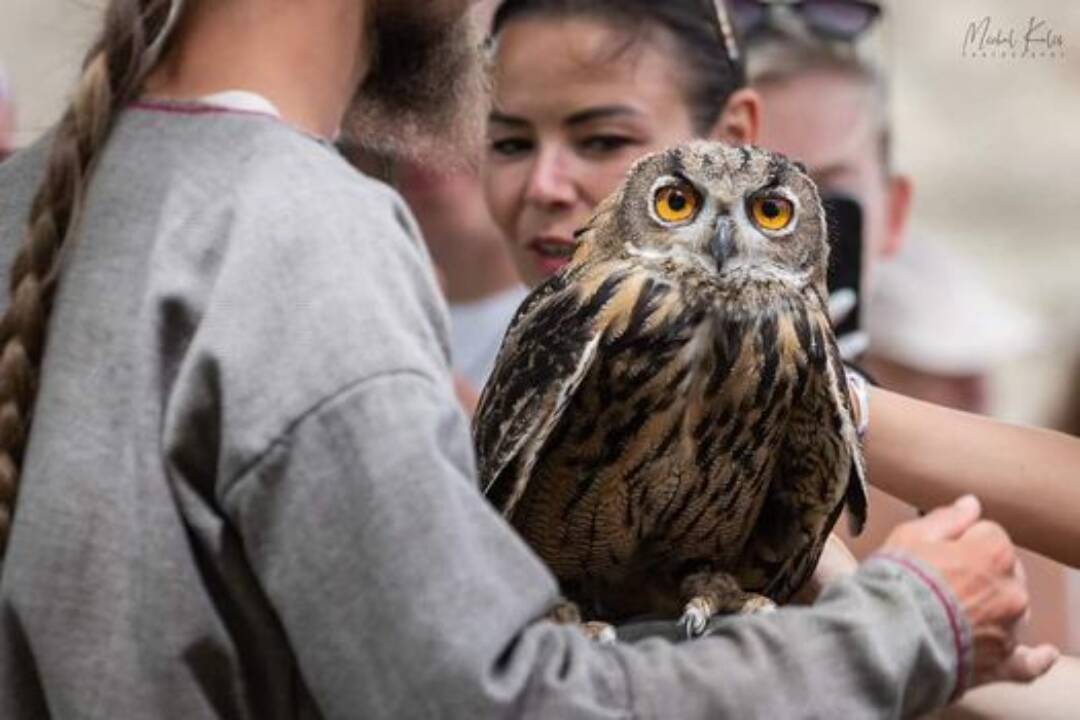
599,113
497,117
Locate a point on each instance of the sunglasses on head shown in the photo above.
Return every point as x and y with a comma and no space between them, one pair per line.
843,20
724,29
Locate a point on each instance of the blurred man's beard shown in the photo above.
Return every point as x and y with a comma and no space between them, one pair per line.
425,96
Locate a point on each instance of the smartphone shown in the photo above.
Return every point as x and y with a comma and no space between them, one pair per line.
844,221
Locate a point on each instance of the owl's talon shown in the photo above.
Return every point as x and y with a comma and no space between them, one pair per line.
601,633
694,621
758,605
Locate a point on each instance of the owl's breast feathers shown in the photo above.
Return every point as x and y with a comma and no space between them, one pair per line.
645,418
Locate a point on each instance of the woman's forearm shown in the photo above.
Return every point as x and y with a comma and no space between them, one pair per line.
1027,479
1054,696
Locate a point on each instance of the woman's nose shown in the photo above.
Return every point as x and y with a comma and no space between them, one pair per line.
550,182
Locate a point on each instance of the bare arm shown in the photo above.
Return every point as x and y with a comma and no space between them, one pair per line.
1028,479
1055,696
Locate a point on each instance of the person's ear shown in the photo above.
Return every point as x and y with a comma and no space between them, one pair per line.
740,121
900,191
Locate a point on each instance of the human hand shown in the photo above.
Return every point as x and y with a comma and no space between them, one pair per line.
978,562
851,344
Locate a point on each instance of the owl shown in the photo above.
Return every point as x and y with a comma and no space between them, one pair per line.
668,424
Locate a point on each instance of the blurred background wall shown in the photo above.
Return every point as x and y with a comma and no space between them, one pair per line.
992,142
41,44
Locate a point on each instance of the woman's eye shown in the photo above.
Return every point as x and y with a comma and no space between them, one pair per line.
605,143
509,147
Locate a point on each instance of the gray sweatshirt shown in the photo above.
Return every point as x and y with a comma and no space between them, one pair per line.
249,491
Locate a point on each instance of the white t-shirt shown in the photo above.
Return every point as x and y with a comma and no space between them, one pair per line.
477,329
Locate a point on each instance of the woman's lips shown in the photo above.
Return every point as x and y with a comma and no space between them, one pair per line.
551,253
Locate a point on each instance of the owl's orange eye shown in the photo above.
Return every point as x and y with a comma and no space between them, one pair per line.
772,213
676,203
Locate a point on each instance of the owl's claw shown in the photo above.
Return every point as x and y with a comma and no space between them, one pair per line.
568,613
600,632
694,620
757,604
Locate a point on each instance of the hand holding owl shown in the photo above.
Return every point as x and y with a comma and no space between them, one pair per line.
978,562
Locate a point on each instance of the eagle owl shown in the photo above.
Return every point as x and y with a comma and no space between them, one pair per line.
668,424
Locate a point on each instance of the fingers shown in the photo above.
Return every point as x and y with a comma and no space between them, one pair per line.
853,344
979,562
1028,663
841,303
951,521
995,543
1021,577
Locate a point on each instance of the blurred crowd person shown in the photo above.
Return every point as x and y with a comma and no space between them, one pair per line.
480,282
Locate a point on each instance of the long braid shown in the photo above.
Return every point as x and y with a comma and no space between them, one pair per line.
130,43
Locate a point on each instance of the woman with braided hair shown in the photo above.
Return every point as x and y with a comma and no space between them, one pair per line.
117,63
235,480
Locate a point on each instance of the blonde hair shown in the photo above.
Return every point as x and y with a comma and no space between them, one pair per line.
778,58
131,42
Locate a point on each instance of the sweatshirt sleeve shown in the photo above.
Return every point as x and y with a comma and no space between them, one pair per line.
403,594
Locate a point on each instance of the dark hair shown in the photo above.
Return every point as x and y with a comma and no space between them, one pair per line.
692,23
132,37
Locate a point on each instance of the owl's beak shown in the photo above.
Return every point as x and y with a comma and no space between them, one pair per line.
722,246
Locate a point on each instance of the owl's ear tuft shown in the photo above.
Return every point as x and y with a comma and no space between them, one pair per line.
800,167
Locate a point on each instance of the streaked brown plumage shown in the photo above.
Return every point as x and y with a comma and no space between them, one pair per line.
668,423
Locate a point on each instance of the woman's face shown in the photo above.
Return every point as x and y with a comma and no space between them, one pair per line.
577,101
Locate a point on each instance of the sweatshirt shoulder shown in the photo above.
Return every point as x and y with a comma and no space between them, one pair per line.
316,179
20,176
305,192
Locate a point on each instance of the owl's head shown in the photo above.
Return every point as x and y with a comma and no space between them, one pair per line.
737,210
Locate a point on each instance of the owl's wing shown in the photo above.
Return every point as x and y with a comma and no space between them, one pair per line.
857,496
820,468
550,347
